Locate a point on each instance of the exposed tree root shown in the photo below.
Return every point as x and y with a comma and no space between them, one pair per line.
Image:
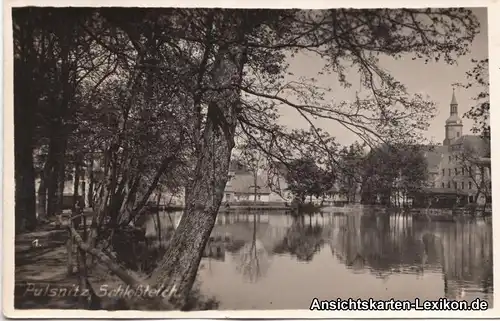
156,302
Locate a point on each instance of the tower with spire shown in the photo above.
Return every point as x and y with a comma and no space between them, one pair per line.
453,127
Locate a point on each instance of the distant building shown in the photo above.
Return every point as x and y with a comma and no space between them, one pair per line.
243,186
461,165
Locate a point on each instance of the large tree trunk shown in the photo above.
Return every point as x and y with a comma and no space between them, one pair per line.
179,267
177,271
24,106
25,197
56,176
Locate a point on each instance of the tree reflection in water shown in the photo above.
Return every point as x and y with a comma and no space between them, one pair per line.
252,258
302,240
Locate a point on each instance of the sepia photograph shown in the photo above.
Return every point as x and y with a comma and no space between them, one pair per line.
228,159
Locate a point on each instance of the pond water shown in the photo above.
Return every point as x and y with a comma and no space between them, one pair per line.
276,261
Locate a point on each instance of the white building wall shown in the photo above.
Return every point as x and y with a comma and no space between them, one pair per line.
68,188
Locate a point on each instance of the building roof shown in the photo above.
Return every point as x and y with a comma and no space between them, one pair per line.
479,145
453,98
435,153
244,184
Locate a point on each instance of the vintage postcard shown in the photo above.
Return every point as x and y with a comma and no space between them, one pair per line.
249,160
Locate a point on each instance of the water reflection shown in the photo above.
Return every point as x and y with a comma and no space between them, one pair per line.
374,244
302,240
383,245
252,258
282,262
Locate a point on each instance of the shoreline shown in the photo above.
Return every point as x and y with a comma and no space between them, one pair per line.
348,208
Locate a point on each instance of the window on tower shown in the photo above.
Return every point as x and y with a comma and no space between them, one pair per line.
458,134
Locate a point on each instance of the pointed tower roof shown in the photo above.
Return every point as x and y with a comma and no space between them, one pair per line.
453,98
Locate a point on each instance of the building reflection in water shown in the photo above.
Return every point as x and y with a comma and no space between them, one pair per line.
384,245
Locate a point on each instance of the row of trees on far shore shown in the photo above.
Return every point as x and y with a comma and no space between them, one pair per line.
388,174
360,176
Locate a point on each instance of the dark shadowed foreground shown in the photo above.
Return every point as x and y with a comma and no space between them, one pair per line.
42,280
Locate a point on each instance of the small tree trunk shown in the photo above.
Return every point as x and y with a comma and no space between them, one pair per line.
76,184
42,198
90,194
52,192
83,191
98,217
158,215
255,187
69,249
74,222
60,188
52,178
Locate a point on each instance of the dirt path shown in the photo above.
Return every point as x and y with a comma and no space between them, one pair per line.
41,268
41,274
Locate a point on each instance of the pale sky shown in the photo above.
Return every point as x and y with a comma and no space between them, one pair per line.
434,79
